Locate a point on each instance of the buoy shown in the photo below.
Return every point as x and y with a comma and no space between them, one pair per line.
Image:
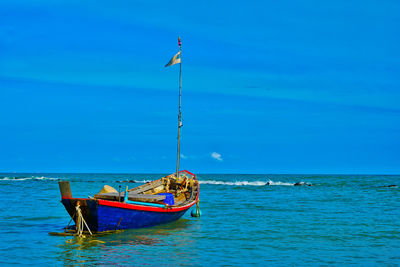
196,212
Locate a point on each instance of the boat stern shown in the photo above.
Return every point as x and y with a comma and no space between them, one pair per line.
88,207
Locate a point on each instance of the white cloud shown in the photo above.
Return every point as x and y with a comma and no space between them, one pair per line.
183,156
216,156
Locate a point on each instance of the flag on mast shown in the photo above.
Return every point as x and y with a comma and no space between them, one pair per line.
175,60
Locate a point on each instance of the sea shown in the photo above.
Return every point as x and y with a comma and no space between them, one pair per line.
246,219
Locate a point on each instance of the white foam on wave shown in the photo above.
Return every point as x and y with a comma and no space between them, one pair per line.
143,181
245,183
44,178
270,182
38,178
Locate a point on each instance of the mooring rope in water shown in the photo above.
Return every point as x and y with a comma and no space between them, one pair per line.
196,212
80,222
198,208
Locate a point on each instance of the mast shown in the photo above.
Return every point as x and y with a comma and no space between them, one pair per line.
179,114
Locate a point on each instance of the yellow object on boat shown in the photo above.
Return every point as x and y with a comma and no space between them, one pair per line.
108,189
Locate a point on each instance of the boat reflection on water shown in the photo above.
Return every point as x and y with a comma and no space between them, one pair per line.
134,246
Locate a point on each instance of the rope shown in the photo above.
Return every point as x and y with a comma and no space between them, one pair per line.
197,208
80,222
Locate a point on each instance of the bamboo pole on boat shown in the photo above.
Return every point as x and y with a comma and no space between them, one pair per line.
179,114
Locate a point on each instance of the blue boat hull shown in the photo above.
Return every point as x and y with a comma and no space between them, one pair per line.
109,217
100,217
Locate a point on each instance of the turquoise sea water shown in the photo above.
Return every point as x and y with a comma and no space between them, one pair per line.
340,220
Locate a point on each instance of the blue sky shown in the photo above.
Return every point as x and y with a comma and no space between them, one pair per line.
268,87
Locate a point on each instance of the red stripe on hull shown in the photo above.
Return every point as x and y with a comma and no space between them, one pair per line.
144,208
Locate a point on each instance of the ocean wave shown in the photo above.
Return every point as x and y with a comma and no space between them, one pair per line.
245,183
35,178
270,182
204,182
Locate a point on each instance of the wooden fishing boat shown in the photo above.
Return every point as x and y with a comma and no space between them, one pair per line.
161,201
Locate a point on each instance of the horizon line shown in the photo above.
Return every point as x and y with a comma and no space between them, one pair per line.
209,173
